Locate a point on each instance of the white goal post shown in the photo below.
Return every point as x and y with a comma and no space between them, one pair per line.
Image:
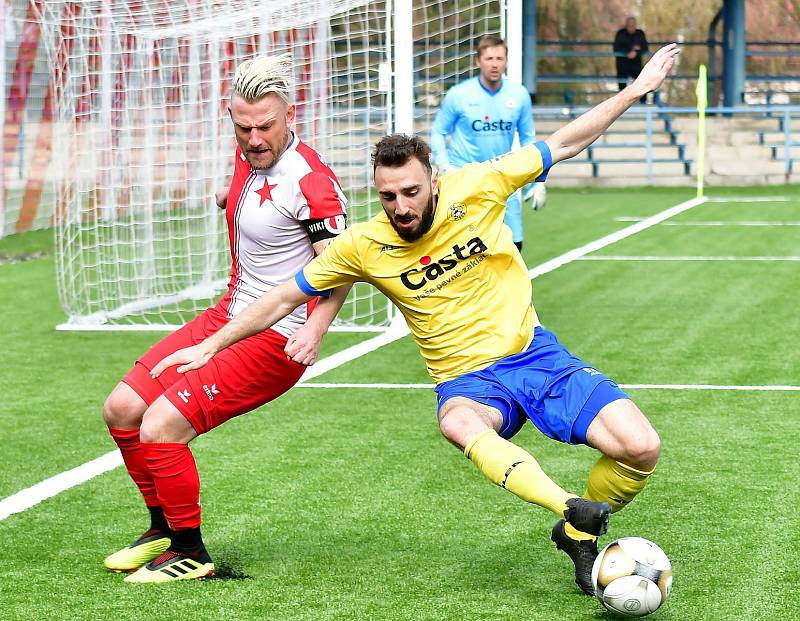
143,140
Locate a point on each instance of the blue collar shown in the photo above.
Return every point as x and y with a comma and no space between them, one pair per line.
487,90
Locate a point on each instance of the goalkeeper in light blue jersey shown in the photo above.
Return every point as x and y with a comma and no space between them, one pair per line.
481,116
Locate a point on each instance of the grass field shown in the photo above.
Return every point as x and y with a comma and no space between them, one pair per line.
345,503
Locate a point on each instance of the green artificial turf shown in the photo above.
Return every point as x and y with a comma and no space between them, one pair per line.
346,503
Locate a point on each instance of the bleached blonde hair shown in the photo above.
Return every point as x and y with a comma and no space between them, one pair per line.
258,77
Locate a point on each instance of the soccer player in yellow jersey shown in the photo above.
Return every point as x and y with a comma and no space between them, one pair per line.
441,252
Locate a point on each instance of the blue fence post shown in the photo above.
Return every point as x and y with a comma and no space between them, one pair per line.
649,113
787,142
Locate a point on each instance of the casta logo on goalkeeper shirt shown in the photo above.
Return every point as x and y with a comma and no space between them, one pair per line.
430,270
487,125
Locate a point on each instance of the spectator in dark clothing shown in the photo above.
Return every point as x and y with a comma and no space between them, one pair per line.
629,45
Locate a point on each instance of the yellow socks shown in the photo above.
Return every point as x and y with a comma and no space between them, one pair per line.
514,469
615,483
612,482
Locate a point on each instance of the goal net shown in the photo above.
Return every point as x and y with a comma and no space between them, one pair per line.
142,137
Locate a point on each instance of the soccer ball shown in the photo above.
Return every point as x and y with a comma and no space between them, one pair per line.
632,577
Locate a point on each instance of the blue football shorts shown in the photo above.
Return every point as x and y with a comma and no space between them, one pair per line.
559,393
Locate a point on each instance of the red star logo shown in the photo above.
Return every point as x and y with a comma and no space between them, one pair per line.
266,191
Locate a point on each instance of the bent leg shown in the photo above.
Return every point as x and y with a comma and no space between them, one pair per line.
472,427
165,435
622,432
237,380
630,448
123,408
123,412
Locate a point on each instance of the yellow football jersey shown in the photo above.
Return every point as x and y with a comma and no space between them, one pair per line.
463,287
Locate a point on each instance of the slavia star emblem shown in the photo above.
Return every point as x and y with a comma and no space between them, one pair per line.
266,191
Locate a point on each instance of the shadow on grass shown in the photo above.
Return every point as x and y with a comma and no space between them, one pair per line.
229,570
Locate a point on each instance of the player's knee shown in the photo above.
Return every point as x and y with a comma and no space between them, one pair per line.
163,423
122,412
642,450
458,424
154,428
452,422
461,419
451,425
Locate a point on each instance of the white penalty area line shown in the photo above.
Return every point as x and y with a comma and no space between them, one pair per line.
48,488
578,253
55,485
618,257
424,386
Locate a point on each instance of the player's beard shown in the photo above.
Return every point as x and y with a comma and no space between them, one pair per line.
425,222
259,163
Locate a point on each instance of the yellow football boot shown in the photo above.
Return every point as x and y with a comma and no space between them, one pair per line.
147,547
172,566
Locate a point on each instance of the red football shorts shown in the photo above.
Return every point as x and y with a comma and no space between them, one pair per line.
238,379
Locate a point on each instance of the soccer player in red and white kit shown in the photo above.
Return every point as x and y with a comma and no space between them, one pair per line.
284,205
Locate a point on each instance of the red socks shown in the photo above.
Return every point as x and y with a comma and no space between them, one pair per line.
128,442
177,483
166,475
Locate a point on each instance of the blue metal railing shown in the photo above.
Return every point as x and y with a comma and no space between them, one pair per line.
783,115
754,49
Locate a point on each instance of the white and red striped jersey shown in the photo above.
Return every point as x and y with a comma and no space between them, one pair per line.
273,217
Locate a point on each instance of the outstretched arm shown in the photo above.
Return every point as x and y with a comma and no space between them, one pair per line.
303,346
260,315
574,137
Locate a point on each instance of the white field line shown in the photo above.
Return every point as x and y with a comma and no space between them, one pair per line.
624,386
48,488
576,254
55,485
618,257
751,199
717,222
777,388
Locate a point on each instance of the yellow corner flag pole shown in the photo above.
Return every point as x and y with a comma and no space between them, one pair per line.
702,102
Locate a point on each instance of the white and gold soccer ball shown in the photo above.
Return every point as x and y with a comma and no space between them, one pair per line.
632,577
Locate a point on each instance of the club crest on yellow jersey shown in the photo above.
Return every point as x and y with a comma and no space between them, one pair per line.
457,211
